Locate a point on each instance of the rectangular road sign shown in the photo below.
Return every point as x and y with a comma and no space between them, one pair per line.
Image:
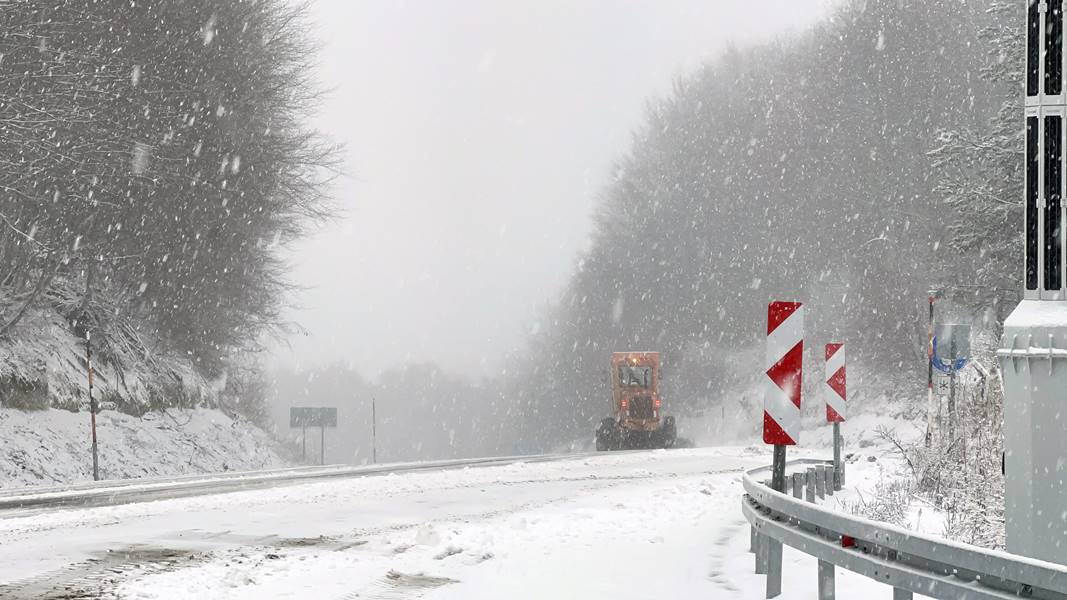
942,384
312,416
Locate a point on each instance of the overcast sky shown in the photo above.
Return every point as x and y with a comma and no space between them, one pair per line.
478,133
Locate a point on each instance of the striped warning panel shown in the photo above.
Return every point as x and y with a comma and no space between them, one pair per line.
835,383
785,373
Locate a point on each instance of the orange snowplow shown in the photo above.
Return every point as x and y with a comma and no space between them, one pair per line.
636,405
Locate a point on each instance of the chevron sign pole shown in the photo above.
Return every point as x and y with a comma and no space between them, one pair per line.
835,403
781,399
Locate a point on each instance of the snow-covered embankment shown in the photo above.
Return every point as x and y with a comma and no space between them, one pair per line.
52,447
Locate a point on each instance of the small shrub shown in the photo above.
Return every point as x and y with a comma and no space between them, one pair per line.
890,502
23,394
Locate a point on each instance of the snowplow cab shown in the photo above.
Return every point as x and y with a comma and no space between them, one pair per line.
636,405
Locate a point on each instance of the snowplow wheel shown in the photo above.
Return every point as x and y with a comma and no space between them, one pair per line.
605,435
669,433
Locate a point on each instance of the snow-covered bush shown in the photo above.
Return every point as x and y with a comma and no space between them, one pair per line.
889,502
959,469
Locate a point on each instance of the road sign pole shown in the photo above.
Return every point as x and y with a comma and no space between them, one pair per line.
930,371
952,392
374,430
836,397
778,469
322,445
839,467
304,444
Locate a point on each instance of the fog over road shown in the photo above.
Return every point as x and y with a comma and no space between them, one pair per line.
478,136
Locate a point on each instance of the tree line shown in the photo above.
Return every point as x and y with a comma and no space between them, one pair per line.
853,167
154,157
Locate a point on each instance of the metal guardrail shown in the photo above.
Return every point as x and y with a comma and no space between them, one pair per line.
111,493
910,562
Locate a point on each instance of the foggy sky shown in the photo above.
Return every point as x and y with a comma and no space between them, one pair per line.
478,133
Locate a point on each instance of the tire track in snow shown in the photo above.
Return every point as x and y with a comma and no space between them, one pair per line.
717,572
94,578
400,586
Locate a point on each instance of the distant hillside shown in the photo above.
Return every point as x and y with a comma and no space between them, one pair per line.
799,169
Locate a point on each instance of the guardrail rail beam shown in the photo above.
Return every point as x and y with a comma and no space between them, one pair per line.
906,561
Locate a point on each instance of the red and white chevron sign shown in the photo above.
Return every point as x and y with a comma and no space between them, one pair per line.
835,383
785,373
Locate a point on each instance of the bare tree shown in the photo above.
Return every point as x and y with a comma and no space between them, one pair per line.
154,158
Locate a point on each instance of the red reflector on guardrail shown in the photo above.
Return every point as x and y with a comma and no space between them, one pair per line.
848,542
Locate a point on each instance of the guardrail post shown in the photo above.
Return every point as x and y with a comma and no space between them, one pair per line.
826,580
899,594
774,567
761,554
753,541
809,482
798,485
820,481
828,482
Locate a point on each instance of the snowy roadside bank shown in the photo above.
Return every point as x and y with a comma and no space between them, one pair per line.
52,447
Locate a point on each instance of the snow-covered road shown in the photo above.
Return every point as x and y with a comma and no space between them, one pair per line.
641,525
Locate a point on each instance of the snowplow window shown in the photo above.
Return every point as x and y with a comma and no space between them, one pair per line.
635,376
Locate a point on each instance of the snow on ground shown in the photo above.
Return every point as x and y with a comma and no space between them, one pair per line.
629,525
50,447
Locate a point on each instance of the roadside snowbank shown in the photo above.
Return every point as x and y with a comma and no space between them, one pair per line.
53,446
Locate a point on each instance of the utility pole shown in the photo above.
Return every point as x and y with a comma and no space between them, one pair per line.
374,430
92,403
